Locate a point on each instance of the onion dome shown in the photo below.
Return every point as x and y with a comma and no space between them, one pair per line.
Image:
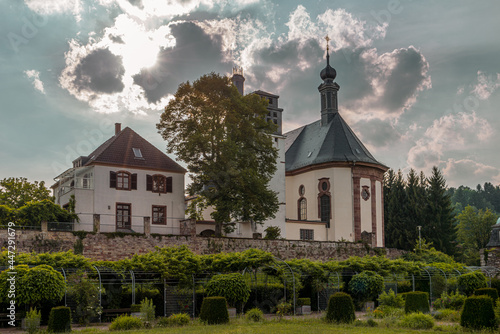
328,72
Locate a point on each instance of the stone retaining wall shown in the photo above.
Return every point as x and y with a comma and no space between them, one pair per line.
115,246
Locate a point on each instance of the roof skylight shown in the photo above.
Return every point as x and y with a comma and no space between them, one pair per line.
137,153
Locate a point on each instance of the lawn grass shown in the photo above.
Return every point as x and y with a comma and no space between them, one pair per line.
297,325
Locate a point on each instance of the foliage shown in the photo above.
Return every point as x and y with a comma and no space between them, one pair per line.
417,321
486,197
340,308
231,286
177,320
147,310
225,141
447,315
366,286
424,252
454,300
34,285
492,293
56,260
384,311
478,313
236,261
85,293
284,308
472,281
7,214
474,231
272,232
59,319
124,323
32,320
254,315
266,296
417,301
17,192
303,301
33,213
214,311
391,299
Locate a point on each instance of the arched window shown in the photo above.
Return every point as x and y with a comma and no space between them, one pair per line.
325,208
123,180
324,201
302,209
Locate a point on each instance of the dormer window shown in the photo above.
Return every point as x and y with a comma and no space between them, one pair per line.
137,153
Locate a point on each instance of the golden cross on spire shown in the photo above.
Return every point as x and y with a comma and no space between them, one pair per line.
327,42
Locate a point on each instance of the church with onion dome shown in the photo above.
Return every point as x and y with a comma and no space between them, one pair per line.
330,187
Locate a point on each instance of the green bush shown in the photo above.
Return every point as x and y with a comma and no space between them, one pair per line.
478,313
469,282
284,308
147,310
124,323
391,299
447,315
404,286
384,311
231,286
366,286
303,302
214,310
266,296
179,319
85,293
454,300
340,308
254,315
59,320
417,321
417,301
491,292
32,321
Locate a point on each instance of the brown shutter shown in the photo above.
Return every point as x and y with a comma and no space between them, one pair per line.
149,183
112,179
133,182
169,184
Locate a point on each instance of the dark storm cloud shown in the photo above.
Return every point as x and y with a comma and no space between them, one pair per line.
404,79
377,132
194,54
116,39
100,71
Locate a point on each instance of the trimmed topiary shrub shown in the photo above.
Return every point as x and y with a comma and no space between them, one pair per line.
179,319
366,286
417,321
491,292
467,283
59,320
340,308
478,313
254,315
214,310
125,322
417,301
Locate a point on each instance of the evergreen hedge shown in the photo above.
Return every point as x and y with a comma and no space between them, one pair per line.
417,301
340,308
468,283
478,313
59,320
493,293
214,310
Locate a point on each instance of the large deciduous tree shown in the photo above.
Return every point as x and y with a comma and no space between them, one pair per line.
226,142
17,192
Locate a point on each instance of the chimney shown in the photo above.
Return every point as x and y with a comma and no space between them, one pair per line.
238,79
118,128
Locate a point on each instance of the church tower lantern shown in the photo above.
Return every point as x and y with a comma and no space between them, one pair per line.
328,90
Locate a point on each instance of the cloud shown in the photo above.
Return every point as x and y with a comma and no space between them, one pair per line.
377,133
51,7
467,171
453,132
486,85
37,83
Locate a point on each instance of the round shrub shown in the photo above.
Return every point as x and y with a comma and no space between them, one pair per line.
366,286
125,322
417,321
417,301
478,313
214,310
59,320
340,308
254,315
491,292
231,286
179,319
391,299
469,282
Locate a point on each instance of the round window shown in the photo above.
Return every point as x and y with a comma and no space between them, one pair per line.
324,186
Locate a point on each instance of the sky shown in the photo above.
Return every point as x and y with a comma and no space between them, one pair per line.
419,80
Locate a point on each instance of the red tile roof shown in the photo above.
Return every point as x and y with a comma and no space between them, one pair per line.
118,151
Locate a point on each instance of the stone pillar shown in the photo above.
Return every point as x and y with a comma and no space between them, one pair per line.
97,223
45,227
147,226
357,208
188,227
